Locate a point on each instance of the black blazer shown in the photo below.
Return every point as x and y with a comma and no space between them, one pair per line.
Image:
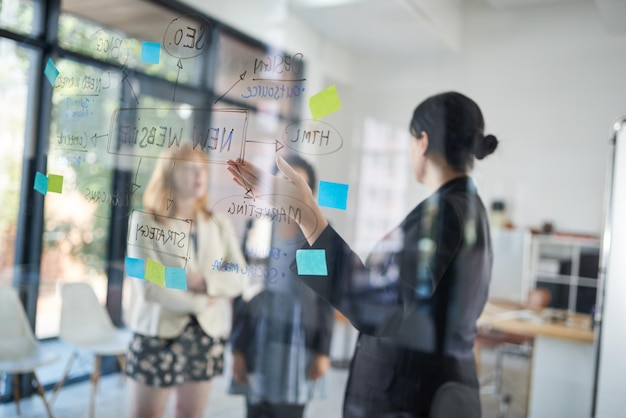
415,302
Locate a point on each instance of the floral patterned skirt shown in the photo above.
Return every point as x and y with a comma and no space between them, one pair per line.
191,357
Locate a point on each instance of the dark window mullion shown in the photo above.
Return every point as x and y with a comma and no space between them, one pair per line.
30,218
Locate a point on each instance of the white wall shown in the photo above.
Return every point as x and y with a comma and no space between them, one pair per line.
550,81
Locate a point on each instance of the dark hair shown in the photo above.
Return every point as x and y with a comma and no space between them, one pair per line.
455,125
296,161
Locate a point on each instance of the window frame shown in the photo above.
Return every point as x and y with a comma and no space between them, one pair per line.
30,220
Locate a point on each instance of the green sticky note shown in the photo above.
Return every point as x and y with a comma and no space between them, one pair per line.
311,262
175,278
324,103
55,183
41,183
155,272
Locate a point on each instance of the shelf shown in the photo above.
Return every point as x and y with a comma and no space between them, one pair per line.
568,280
568,267
554,278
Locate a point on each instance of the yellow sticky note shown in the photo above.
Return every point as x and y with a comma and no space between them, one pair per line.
324,103
55,183
155,272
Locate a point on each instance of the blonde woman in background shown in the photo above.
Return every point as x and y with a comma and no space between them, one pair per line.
179,336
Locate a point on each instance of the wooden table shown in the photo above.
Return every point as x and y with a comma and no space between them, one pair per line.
561,378
576,326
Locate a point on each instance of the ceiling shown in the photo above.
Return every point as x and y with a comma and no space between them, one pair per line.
409,26
383,27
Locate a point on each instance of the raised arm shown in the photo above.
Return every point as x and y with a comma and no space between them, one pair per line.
402,273
400,276
292,191
370,305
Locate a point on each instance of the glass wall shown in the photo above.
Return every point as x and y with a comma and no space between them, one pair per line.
93,92
14,93
76,228
68,113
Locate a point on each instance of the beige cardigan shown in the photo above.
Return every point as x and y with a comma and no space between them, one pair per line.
164,312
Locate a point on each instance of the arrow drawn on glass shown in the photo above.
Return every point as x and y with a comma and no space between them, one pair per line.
95,137
125,78
179,64
134,187
170,200
241,78
276,142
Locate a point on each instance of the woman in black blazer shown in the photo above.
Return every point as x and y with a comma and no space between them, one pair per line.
416,299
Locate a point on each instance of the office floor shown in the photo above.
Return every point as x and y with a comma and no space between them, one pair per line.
73,401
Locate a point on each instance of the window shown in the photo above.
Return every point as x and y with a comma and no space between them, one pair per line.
123,50
76,221
107,76
21,16
14,91
383,179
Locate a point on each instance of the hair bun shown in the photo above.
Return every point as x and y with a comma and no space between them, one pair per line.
485,145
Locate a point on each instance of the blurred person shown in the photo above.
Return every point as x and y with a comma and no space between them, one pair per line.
281,338
179,336
418,296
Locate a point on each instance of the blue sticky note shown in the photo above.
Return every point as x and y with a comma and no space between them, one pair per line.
41,183
175,278
51,72
311,262
135,267
150,52
333,195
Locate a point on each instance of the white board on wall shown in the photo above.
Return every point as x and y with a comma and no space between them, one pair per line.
612,342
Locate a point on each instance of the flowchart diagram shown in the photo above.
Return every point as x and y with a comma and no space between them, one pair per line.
220,132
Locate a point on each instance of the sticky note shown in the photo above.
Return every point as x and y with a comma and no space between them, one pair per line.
135,267
51,72
333,195
150,52
311,262
41,183
155,272
175,278
324,103
55,183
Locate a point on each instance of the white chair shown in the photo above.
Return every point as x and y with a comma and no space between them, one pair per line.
86,325
20,352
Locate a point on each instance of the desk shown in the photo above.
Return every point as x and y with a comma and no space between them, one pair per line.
561,377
